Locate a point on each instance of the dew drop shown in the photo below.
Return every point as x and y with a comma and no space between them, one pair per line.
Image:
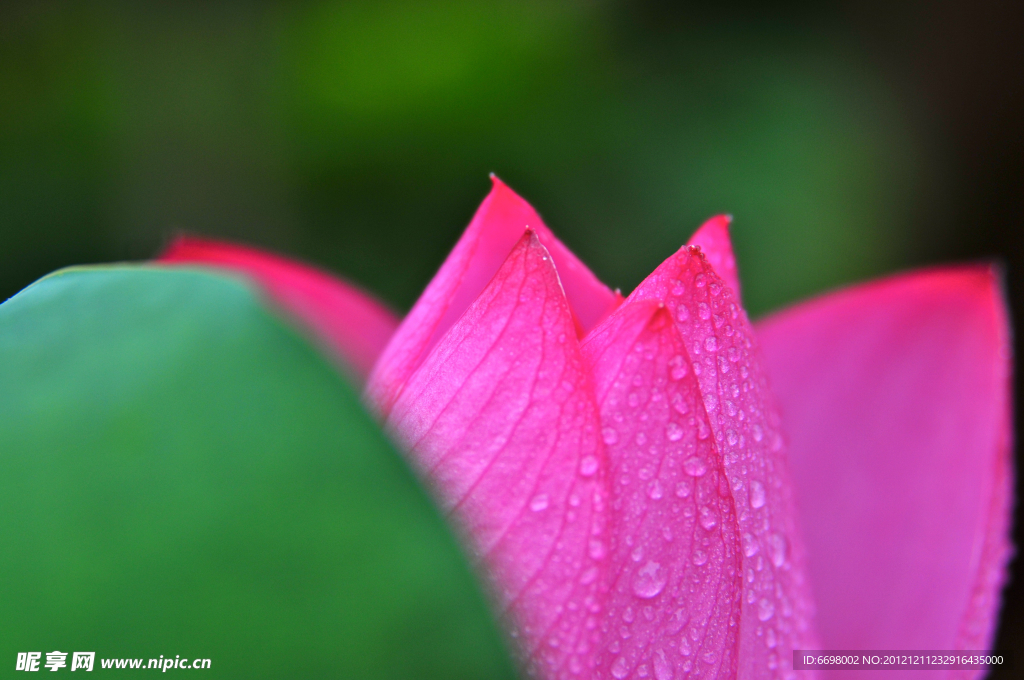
641,438
679,404
684,646
633,400
677,367
610,436
649,580
588,466
683,490
756,495
597,550
620,669
699,280
711,344
770,639
703,431
674,432
589,576
637,554
662,668
654,491
704,311
750,546
765,609
732,437
695,467
777,549
758,432
708,519
700,557
539,502
709,657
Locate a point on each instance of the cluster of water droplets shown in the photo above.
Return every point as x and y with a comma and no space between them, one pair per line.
671,608
745,429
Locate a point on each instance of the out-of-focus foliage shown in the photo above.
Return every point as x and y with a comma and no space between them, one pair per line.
181,475
360,134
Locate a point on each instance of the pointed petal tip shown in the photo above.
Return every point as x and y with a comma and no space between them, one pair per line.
715,241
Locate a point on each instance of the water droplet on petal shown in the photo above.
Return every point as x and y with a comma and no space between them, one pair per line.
610,436
620,669
677,367
777,549
649,580
662,668
700,557
750,546
711,344
588,466
708,519
695,467
539,502
756,495
765,609
674,432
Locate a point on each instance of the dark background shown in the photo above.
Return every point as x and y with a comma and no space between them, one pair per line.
848,141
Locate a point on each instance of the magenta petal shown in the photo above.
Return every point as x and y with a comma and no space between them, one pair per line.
714,241
776,606
497,226
350,322
501,420
896,401
673,568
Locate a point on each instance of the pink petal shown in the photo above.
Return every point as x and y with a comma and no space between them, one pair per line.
497,226
501,419
713,239
776,607
674,560
353,325
895,396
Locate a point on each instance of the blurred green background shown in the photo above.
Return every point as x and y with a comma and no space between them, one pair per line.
848,140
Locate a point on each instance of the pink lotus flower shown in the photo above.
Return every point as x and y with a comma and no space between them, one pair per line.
656,488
